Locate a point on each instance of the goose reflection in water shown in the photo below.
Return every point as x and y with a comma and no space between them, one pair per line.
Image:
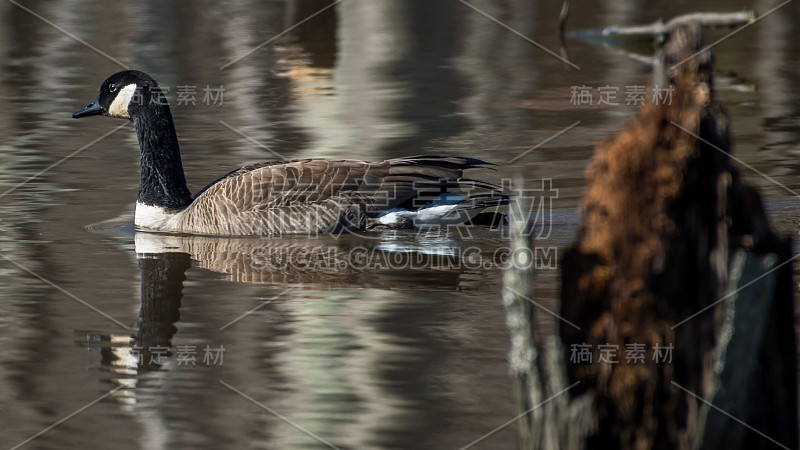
393,260
162,278
340,340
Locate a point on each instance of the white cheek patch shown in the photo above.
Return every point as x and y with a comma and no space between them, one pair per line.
119,107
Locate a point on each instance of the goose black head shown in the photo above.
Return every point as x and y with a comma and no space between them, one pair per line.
123,95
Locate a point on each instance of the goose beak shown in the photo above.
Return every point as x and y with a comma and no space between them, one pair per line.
92,109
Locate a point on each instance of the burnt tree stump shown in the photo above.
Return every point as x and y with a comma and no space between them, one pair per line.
674,254
674,251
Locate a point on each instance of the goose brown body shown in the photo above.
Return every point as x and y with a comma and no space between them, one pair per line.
314,195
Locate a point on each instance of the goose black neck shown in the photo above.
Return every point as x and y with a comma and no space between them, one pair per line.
162,182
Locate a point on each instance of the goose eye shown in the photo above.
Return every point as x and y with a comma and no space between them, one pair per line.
112,87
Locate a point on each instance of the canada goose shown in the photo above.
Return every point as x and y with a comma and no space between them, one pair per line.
302,197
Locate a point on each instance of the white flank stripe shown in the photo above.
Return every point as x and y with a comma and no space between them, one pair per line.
435,215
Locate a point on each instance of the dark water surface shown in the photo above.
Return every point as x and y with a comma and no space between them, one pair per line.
342,342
